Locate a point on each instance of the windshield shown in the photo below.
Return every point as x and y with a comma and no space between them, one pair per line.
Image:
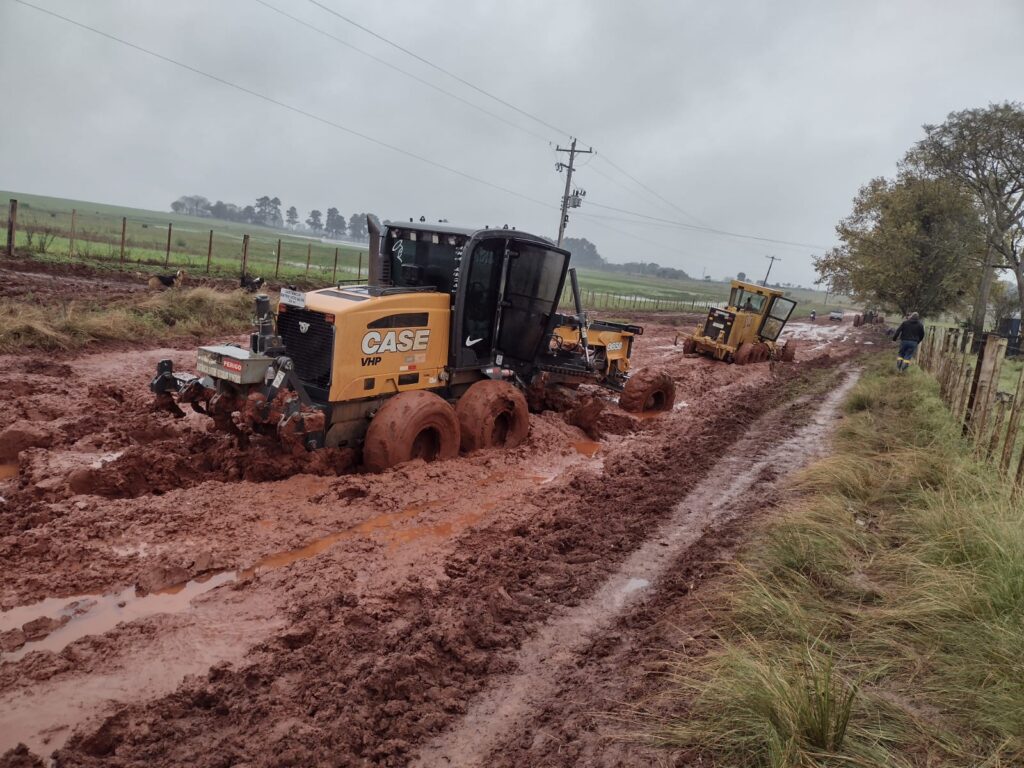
418,258
746,301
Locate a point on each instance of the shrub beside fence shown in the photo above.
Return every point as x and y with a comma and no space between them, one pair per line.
969,383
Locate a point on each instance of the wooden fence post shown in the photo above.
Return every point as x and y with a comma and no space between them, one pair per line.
987,382
277,266
335,278
245,253
1000,405
209,252
12,217
309,254
124,232
1013,426
167,256
71,241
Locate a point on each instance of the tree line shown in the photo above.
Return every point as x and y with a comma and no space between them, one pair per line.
935,237
585,254
267,211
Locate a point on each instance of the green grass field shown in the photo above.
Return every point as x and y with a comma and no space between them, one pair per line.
98,242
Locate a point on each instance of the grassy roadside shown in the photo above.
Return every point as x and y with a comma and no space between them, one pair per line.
198,312
881,622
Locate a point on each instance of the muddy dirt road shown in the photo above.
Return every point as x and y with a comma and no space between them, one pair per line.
170,600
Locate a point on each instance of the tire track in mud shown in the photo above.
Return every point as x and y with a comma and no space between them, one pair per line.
366,679
499,717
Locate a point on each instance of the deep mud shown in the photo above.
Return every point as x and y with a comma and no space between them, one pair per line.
200,606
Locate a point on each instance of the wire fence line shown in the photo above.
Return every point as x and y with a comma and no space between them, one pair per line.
970,378
133,243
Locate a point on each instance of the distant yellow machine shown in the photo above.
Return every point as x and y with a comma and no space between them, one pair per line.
748,329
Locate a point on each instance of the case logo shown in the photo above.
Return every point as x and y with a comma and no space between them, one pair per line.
408,340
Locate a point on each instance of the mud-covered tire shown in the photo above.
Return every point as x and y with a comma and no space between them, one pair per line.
689,346
788,353
648,390
492,414
744,353
411,425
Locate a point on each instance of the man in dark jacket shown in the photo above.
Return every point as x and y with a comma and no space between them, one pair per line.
909,335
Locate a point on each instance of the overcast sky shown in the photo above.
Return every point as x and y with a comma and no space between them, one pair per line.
754,117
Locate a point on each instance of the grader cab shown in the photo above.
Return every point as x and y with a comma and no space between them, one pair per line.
747,330
435,355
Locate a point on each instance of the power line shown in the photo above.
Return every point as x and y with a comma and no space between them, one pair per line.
284,105
439,68
405,72
652,191
712,230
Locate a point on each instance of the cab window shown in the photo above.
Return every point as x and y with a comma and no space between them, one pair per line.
746,301
778,315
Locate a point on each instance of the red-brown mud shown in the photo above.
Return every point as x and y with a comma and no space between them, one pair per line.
323,619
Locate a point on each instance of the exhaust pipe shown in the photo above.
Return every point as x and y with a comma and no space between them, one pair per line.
375,266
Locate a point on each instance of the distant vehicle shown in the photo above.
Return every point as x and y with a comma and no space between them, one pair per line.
836,314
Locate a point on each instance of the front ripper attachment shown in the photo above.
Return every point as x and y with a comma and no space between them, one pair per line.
244,394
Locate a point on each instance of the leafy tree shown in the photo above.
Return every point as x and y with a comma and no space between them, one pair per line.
742,276
357,226
584,253
192,205
292,217
177,206
983,150
911,244
334,223
315,220
1003,300
263,210
248,214
275,212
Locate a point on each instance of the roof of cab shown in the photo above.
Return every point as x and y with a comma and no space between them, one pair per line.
447,229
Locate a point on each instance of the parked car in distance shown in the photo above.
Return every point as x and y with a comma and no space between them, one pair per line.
836,314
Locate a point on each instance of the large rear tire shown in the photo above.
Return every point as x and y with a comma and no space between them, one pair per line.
411,425
649,390
492,414
689,346
788,354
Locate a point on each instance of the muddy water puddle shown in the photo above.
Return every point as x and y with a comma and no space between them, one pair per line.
7,471
588,448
72,618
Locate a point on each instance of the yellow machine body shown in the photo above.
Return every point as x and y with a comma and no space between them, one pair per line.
752,320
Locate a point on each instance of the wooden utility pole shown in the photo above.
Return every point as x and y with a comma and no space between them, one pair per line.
124,232
12,217
309,254
277,266
167,256
209,252
245,254
71,242
770,265
359,269
576,196
335,278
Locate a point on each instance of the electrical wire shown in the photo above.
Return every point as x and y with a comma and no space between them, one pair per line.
439,68
711,230
654,192
289,107
405,72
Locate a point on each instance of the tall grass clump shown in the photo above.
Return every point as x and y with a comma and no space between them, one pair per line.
880,619
198,312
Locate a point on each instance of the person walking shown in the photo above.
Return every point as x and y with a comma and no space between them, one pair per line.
909,335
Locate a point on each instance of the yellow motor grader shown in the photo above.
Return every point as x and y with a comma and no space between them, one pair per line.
747,330
434,355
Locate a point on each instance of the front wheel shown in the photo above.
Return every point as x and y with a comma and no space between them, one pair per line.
411,425
649,390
